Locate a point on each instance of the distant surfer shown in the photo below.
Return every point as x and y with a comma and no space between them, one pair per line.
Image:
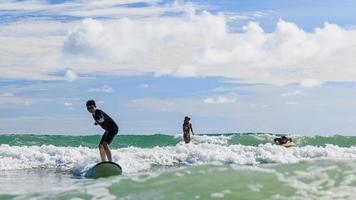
110,127
187,127
282,140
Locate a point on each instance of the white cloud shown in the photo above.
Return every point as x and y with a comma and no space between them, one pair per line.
9,99
184,45
144,86
233,16
200,45
223,89
31,48
87,8
294,93
187,71
31,58
71,75
291,103
68,104
220,100
7,94
104,88
310,83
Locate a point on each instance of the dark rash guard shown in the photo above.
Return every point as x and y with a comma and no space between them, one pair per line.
186,126
104,120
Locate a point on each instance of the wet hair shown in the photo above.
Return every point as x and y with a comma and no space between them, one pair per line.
186,118
91,103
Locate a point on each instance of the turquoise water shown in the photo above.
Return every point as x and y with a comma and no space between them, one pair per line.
228,166
146,141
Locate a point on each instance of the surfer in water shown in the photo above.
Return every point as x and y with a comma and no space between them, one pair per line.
187,127
110,127
282,140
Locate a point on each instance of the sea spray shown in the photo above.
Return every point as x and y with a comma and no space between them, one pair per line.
135,159
219,166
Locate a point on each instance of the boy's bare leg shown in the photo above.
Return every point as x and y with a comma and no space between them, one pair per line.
107,151
102,152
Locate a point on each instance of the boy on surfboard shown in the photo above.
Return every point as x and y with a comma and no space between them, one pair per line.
110,127
187,127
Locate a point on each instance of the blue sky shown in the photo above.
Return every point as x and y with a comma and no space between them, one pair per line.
307,14
233,66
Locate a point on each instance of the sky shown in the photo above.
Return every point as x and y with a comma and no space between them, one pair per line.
283,67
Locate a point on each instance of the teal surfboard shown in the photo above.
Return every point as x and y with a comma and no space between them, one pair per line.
104,169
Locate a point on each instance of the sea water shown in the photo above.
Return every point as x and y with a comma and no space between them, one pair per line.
219,166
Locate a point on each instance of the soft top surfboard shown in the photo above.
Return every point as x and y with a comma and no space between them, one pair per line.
289,144
104,169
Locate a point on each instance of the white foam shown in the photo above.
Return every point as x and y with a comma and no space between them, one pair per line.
220,194
321,182
220,139
134,159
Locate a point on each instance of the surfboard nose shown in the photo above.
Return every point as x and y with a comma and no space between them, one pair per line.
104,169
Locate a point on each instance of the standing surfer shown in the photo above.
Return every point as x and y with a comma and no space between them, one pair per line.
110,127
187,127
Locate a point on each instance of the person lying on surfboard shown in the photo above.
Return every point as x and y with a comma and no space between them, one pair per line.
187,127
108,124
282,140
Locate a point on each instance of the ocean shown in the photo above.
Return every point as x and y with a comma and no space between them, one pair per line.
214,166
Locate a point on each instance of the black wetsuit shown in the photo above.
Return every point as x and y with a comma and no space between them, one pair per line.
108,124
186,131
282,140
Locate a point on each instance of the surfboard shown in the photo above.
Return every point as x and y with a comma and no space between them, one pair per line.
289,144
104,169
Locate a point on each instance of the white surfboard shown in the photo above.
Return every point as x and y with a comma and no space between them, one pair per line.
289,144
104,169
